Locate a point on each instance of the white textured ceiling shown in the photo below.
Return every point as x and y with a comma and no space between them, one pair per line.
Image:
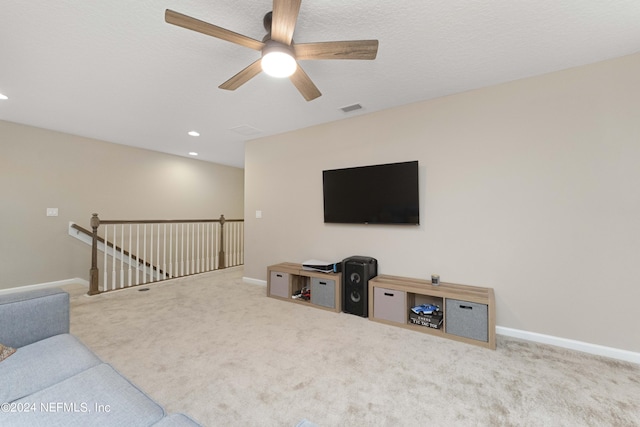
115,71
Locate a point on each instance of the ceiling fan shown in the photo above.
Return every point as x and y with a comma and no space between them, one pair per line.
277,47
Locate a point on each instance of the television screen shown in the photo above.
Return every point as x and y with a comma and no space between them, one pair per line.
378,194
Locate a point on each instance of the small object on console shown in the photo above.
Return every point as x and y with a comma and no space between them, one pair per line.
425,309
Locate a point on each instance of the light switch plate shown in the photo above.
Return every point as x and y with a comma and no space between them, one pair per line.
52,211
258,214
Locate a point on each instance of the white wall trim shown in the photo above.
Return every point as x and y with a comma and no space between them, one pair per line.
56,284
254,281
599,350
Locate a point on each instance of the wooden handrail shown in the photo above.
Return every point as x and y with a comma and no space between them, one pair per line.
96,222
166,221
81,229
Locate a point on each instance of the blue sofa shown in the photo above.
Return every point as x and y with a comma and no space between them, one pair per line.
54,380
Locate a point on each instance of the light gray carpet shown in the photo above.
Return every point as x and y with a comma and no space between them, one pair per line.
221,351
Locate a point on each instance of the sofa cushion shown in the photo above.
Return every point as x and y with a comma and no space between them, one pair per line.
6,352
41,364
31,316
99,396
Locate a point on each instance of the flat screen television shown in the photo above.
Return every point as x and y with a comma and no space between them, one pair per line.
377,194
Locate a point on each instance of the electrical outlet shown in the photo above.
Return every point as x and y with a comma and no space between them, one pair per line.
52,211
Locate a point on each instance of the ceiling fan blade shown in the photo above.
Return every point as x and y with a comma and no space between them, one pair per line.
184,21
285,15
303,83
355,49
243,76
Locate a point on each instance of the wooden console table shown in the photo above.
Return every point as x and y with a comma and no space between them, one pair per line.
468,311
287,278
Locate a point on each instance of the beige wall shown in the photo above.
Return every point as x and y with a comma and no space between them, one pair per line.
530,187
41,168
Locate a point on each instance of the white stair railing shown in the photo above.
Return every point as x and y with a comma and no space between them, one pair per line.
139,252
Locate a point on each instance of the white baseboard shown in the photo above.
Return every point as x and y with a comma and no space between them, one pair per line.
254,281
599,350
56,284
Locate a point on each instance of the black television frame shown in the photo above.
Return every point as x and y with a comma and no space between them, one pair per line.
385,194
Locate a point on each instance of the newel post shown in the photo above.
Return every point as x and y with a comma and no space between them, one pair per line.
221,256
93,272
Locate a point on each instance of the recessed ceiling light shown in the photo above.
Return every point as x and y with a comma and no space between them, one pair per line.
193,153
194,133
3,96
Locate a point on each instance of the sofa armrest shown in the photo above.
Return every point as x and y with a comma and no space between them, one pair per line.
27,317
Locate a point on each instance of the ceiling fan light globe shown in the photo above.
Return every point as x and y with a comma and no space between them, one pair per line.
278,60
278,64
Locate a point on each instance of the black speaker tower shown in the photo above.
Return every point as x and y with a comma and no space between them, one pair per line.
356,272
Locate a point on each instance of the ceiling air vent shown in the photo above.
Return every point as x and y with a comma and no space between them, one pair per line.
246,130
350,108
